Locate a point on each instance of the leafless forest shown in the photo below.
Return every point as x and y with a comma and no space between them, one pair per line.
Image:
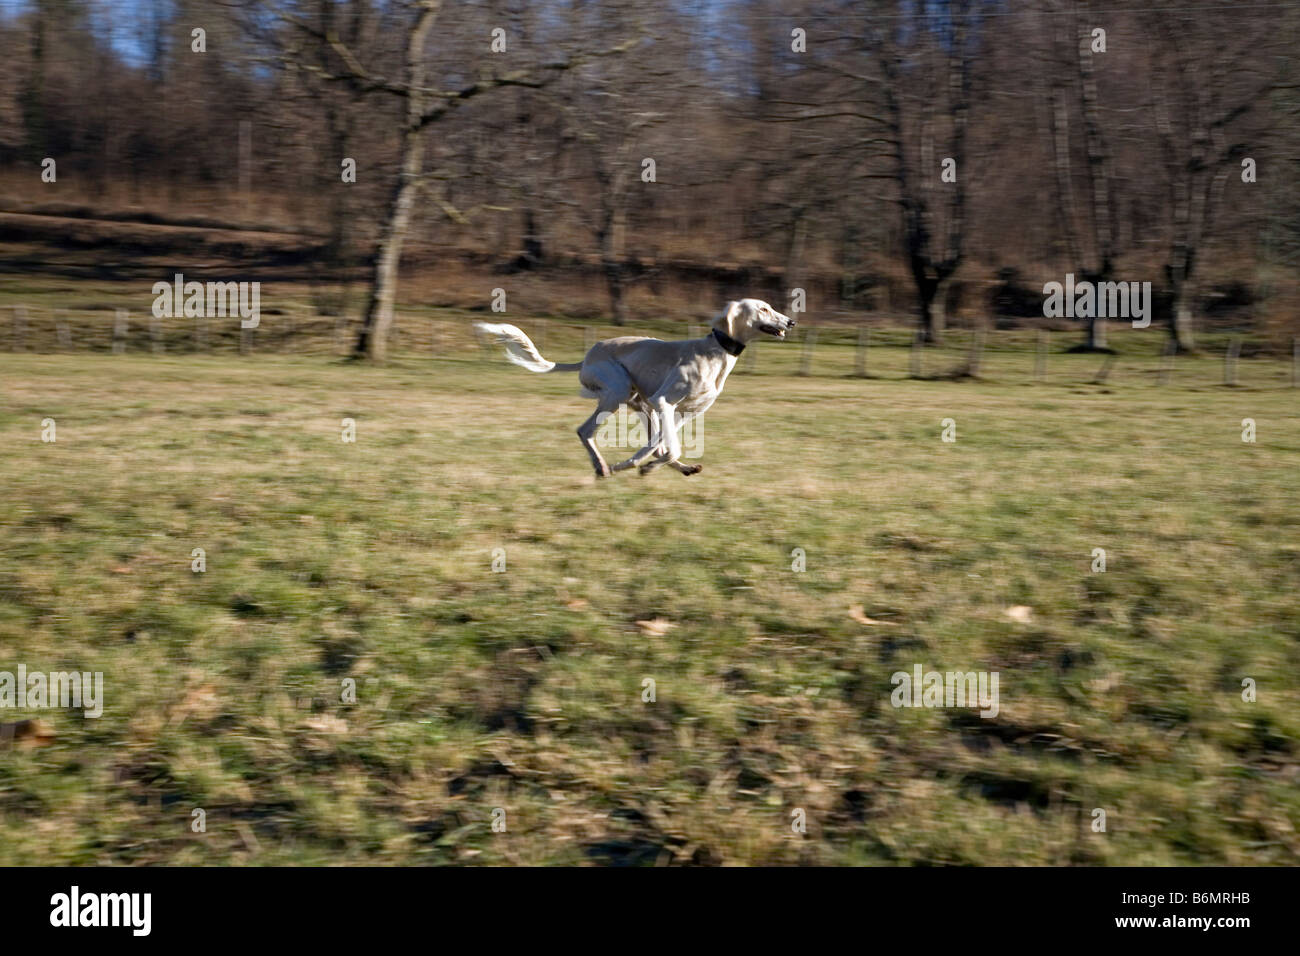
937,163
349,582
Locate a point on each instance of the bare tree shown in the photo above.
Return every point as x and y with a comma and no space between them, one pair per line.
1207,82
608,112
932,244
1071,55
424,105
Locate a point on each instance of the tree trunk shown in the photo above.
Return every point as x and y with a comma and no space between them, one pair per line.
373,341
533,249
933,294
1180,316
33,100
1181,284
1096,341
794,252
611,261
616,286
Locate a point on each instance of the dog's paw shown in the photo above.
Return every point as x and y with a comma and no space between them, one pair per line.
692,470
645,469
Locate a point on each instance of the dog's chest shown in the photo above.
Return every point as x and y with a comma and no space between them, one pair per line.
706,391
698,403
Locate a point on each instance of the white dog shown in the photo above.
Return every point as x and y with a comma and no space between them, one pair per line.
669,382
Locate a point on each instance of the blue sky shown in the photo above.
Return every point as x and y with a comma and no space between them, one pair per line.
119,20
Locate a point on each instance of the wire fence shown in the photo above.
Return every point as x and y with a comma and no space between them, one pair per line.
1227,358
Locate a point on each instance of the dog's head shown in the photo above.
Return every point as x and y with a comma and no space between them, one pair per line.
749,318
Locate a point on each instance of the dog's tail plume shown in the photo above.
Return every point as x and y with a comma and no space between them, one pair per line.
521,350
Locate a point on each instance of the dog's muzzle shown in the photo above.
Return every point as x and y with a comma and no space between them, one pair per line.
778,331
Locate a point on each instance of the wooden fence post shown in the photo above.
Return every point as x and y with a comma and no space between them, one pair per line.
860,356
1167,365
1230,361
63,330
20,328
119,331
976,360
809,343
916,355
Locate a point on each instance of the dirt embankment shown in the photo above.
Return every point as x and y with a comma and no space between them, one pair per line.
72,242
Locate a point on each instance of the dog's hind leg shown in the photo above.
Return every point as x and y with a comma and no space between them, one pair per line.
610,385
586,433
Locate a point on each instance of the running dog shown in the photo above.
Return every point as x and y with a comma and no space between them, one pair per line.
669,382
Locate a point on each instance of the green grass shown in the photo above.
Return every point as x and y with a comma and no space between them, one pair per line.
522,690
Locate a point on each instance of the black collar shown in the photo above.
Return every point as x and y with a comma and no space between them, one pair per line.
729,345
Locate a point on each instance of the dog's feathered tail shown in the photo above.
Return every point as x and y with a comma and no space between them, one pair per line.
521,350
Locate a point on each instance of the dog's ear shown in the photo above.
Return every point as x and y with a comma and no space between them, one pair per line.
727,318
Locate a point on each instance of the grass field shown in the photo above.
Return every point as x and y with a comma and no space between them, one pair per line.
521,691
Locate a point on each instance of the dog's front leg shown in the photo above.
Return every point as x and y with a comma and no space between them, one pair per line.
663,456
662,432
661,452
651,465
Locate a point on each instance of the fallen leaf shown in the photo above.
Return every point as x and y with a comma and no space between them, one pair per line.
1021,613
26,733
655,627
858,614
327,724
